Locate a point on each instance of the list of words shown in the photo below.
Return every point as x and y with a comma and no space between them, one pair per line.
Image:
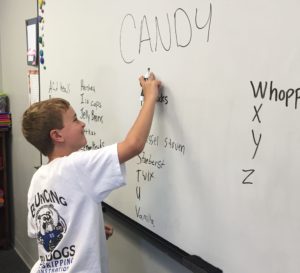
288,97
91,113
148,168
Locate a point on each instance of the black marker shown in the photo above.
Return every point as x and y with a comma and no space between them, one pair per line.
145,78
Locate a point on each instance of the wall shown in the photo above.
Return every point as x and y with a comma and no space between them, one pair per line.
0,65
14,83
128,251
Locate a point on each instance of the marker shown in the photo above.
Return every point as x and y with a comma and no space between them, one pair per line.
146,76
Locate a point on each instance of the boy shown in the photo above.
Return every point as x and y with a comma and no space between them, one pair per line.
64,214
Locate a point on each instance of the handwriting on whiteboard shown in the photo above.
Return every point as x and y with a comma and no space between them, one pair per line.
179,35
289,97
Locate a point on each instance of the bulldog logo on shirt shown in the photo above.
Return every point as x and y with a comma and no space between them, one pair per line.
51,227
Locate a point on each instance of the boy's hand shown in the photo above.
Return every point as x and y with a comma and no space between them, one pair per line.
108,231
150,87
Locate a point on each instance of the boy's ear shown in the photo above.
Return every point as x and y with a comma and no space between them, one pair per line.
56,135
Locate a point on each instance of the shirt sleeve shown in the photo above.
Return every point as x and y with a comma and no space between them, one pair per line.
99,171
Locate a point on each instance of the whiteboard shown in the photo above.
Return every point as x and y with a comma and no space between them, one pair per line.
219,174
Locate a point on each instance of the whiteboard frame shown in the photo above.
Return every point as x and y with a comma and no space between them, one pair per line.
192,262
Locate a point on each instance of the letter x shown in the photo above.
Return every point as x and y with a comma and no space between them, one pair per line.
256,112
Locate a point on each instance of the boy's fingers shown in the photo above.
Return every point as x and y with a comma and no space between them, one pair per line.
108,231
142,80
151,76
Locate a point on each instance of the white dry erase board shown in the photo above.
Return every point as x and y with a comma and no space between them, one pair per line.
219,176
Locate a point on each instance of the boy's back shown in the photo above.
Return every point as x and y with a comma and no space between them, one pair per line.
65,213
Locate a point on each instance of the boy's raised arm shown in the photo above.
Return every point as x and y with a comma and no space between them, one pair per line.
137,136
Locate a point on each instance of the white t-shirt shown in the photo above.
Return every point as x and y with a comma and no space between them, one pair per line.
64,211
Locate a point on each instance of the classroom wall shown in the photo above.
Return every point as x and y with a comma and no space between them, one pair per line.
128,251
0,65
14,82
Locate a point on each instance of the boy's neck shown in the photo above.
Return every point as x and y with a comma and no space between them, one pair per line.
56,154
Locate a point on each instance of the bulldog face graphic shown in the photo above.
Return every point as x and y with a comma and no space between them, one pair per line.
51,227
